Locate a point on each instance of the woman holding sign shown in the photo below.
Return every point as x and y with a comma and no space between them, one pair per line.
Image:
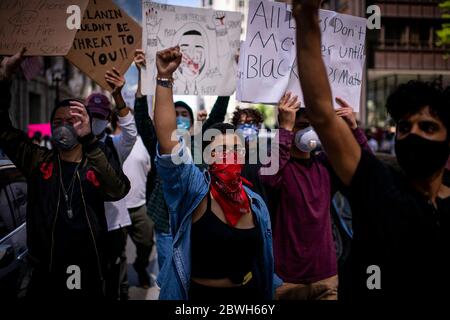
222,247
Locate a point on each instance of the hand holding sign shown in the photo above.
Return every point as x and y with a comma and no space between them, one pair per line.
10,64
115,80
167,61
287,108
346,113
139,59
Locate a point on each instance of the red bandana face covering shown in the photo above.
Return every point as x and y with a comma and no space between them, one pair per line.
227,190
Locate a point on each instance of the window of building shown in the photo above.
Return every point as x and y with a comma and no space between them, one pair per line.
35,108
393,34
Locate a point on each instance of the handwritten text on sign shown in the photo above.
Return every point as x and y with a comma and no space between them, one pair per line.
268,62
108,38
38,25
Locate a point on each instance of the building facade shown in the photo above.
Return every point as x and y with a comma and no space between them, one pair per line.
403,49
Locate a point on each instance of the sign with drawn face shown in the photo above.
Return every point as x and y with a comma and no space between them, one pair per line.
193,45
208,40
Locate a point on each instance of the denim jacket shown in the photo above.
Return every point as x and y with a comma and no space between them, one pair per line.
185,186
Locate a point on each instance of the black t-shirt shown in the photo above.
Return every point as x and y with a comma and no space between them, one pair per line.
73,240
250,171
400,231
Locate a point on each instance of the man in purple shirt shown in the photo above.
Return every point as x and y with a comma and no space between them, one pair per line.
304,250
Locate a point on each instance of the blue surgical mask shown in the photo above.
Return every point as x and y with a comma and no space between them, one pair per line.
183,123
307,140
99,126
249,131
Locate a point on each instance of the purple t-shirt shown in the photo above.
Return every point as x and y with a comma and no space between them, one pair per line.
303,244
300,193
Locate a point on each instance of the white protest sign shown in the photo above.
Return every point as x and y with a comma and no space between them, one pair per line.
209,41
268,60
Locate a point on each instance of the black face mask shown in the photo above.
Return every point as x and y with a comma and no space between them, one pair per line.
420,158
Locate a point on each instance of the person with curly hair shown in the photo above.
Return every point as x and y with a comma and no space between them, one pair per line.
249,122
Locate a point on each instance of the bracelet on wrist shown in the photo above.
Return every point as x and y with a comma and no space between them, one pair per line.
165,78
166,82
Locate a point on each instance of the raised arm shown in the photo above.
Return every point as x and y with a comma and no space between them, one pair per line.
337,139
346,112
167,61
287,109
14,142
183,183
218,113
144,123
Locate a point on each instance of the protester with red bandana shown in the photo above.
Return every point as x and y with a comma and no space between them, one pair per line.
222,246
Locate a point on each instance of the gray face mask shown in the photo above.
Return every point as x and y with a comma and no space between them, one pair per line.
64,137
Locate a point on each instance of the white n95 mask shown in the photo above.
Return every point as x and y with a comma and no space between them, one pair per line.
307,140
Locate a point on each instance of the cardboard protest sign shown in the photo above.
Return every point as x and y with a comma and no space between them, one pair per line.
38,25
209,41
268,60
108,38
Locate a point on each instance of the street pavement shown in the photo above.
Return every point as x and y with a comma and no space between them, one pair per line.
136,292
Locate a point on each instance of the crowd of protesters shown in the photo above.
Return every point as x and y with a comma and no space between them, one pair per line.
226,227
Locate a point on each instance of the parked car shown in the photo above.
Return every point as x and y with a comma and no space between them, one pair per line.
14,269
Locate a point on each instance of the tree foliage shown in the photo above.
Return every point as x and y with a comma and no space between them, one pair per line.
444,33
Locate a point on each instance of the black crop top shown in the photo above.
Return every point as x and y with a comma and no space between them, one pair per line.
220,251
